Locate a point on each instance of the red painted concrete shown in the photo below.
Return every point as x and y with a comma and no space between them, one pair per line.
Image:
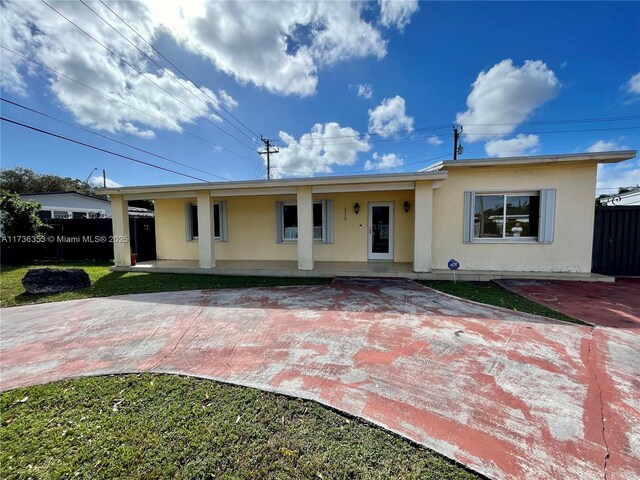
508,394
605,304
615,392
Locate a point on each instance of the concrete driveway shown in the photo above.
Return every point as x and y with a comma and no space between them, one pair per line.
508,394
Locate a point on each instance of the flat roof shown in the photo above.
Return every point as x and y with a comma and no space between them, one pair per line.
287,182
594,157
65,193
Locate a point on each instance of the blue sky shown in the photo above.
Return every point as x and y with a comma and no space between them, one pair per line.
340,88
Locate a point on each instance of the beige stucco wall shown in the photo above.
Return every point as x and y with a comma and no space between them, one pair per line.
350,239
571,249
252,222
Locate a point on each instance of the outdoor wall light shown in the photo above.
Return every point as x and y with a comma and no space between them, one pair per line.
406,206
356,208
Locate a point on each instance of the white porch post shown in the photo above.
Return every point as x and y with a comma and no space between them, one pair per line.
120,222
305,228
206,252
423,229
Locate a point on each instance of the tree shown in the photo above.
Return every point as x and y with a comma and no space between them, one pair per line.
24,180
19,217
622,190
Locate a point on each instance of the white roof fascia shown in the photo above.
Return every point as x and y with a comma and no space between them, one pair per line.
275,185
596,157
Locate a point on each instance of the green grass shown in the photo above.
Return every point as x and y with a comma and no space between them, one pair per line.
163,426
105,283
493,294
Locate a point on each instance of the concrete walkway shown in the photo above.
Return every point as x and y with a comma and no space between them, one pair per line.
513,396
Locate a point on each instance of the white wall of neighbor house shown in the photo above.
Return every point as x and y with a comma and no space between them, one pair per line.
574,215
252,228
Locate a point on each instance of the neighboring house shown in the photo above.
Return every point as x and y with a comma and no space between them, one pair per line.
622,199
75,205
520,214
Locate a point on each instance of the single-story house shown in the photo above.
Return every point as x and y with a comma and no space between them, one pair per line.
521,216
76,205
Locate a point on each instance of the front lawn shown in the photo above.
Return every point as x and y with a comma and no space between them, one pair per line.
105,283
493,294
163,426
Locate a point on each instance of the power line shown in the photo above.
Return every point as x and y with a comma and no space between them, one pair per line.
172,74
172,126
146,77
372,169
503,124
178,69
149,164
111,139
479,134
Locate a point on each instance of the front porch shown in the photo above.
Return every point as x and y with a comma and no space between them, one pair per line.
282,268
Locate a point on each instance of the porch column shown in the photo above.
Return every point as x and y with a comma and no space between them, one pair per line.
206,252
120,222
423,229
305,228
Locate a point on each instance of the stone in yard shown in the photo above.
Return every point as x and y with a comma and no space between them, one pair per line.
54,280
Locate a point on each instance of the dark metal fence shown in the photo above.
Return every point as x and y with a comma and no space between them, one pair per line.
616,240
80,239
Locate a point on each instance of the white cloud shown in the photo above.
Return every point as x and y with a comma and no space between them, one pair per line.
56,43
390,117
623,174
318,151
97,181
506,94
397,12
384,162
278,46
227,99
365,90
606,146
633,85
519,145
434,140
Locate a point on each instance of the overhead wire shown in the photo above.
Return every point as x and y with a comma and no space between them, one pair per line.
172,126
110,138
371,169
104,150
479,134
172,74
501,124
144,75
177,68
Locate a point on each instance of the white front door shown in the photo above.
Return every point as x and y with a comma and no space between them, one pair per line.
380,231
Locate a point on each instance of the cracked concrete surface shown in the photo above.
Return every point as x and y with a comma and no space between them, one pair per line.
510,395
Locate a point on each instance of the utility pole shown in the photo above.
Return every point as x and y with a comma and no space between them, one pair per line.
456,136
268,152
104,178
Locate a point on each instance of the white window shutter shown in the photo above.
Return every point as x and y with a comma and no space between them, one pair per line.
547,215
224,235
188,222
467,229
278,222
328,215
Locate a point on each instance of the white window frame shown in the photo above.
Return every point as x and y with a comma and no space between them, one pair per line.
327,222
222,221
546,220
